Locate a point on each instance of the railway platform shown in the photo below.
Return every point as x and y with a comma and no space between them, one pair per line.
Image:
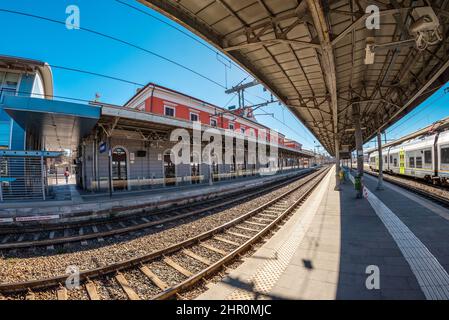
88,207
392,244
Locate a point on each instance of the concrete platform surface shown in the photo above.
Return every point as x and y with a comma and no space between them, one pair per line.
390,245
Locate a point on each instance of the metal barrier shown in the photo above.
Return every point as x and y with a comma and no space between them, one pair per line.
22,178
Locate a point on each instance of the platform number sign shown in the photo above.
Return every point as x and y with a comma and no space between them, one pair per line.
102,148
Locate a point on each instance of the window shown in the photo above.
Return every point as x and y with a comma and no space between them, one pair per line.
391,159
251,132
8,82
419,162
194,117
169,111
428,157
411,162
445,155
242,130
395,162
231,126
386,159
11,80
213,122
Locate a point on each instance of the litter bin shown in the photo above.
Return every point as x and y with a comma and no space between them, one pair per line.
342,175
358,183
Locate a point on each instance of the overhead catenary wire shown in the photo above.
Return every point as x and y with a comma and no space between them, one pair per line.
97,74
400,124
182,32
206,46
98,33
283,121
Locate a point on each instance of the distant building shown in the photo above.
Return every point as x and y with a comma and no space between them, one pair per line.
292,144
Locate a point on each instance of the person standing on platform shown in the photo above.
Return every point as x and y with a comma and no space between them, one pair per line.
66,175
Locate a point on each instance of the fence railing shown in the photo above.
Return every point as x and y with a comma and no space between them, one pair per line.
22,178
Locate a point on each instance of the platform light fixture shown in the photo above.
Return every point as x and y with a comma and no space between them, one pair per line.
370,55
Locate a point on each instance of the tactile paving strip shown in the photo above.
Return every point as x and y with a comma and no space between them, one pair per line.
269,273
432,277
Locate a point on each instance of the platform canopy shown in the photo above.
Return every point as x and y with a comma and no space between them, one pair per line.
311,55
61,124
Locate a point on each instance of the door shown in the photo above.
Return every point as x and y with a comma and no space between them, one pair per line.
401,162
169,171
119,169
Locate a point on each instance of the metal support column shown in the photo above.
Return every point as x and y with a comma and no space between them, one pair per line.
337,164
351,160
380,178
110,166
359,148
93,184
1,190
43,178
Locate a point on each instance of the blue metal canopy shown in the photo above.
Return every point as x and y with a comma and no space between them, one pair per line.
61,124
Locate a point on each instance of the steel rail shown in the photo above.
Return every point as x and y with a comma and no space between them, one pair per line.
115,213
84,276
140,226
188,283
426,194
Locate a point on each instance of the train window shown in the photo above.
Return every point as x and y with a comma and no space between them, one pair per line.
428,157
411,162
391,159
419,162
395,162
386,159
445,155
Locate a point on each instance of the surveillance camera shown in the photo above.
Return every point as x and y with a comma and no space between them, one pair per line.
425,20
425,28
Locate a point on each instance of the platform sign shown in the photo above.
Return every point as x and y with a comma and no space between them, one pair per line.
103,147
37,218
345,155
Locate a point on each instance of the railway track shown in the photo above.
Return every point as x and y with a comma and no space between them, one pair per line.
444,201
168,272
98,231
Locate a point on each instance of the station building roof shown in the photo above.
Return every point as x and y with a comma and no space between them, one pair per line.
30,65
219,110
59,123
116,118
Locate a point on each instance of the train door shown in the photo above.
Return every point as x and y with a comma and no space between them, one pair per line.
119,169
401,162
169,171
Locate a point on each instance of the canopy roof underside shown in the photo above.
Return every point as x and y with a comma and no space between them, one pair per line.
311,54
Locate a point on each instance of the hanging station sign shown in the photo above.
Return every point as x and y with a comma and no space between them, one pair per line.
102,147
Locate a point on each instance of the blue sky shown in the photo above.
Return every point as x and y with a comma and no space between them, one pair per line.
51,42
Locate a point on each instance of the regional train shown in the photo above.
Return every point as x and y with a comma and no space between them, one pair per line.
426,157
